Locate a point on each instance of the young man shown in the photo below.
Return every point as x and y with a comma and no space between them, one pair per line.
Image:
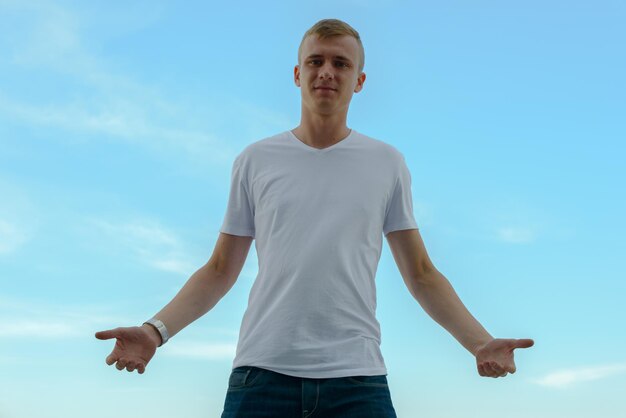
317,199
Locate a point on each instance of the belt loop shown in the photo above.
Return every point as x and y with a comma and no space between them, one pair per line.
245,379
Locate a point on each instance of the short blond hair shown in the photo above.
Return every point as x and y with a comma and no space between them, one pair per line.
327,28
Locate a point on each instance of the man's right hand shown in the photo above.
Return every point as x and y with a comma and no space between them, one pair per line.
134,348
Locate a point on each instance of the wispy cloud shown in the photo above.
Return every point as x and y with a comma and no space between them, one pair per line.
11,237
23,318
132,119
151,243
516,235
40,319
19,219
41,328
105,101
568,377
212,351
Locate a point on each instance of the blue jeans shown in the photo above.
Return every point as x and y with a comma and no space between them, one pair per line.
260,393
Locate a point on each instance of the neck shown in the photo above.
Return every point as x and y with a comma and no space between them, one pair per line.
321,131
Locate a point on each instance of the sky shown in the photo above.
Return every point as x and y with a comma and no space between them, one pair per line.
119,123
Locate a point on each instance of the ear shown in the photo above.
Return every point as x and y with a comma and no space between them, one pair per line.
296,75
359,83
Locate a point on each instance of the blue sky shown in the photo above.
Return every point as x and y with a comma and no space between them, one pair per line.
118,127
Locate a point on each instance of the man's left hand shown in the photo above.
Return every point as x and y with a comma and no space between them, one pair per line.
495,359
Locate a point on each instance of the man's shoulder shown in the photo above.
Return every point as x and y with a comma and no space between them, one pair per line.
268,140
260,145
381,146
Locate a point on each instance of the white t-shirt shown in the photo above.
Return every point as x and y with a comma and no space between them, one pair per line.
318,217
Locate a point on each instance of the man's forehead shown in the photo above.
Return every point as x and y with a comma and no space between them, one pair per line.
336,56
336,47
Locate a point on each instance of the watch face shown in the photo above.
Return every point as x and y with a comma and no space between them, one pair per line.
160,327
162,330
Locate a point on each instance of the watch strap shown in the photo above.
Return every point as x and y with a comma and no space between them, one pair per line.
160,327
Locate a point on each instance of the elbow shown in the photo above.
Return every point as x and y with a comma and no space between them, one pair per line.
428,277
418,282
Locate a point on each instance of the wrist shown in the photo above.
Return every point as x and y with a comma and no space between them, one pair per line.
481,344
153,333
159,326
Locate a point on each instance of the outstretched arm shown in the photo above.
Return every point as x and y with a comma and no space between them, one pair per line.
135,346
494,356
436,295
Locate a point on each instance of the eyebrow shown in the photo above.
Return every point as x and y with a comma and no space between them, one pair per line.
321,56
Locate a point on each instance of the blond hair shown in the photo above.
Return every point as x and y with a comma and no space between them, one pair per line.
327,28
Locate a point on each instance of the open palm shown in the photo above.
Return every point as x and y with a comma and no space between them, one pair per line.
133,348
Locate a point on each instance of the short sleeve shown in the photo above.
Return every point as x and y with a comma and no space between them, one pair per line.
239,217
399,213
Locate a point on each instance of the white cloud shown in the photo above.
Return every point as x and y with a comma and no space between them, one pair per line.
19,219
212,351
12,361
105,101
21,318
567,377
52,38
17,327
151,243
11,237
516,235
33,320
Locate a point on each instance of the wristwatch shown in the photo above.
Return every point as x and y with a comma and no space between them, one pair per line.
160,326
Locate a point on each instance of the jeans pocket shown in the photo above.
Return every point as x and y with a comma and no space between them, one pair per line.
379,380
244,376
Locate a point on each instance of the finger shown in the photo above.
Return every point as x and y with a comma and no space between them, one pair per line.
141,368
524,343
489,370
481,370
496,367
111,359
131,366
485,370
121,363
106,335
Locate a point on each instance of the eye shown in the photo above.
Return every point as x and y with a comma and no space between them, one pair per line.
343,64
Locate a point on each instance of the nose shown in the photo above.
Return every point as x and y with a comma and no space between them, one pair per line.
326,73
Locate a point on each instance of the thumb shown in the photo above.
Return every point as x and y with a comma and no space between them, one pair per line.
106,335
524,343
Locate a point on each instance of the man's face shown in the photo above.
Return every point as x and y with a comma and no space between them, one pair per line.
331,63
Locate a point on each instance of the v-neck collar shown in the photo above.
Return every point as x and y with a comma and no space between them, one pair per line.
320,150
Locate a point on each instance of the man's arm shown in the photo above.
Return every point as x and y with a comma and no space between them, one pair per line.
437,296
207,285
494,356
433,291
135,346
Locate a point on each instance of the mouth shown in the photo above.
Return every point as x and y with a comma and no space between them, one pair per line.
324,88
